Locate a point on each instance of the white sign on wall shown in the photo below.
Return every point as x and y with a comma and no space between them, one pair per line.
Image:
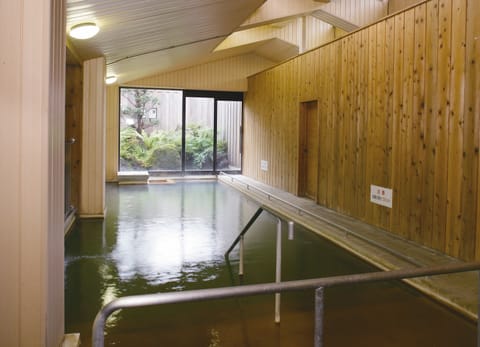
264,165
381,196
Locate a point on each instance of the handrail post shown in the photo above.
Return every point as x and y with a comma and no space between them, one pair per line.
240,270
278,269
319,313
290,230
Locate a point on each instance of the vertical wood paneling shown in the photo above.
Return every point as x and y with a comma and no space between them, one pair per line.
471,190
320,78
339,140
454,233
331,92
31,209
441,129
379,135
350,158
112,134
387,122
73,126
361,123
92,199
431,111
399,107
373,158
395,223
471,123
417,152
406,125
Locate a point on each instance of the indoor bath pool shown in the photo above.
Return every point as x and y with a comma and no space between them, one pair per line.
172,237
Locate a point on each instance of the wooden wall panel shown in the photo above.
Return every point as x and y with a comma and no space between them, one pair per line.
73,125
454,230
441,127
406,178
397,97
398,107
361,188
92,197
112,133
431,111
329,94
418,149
472,123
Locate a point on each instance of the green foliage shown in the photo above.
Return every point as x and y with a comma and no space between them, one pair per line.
199,146
132,150
162,150
138,103
164,157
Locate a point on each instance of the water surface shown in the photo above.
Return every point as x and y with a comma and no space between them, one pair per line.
161,238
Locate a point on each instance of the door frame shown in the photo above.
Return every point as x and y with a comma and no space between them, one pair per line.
303,151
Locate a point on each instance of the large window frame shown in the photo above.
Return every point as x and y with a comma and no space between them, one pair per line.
217,96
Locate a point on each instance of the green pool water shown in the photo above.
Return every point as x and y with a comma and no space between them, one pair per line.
161,238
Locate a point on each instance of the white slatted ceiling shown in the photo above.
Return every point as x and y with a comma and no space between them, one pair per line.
131,28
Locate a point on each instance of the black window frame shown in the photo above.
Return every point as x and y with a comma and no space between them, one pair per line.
217,96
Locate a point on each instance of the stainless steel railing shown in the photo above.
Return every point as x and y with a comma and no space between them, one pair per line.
278,259
319,284
243,232
347,231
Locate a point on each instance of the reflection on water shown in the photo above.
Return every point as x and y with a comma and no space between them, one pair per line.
172,237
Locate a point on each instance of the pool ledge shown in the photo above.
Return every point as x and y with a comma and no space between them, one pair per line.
71,340
374,245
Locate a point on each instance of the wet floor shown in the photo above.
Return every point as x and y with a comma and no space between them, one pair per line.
162,238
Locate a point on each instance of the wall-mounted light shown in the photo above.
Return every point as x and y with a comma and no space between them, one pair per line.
84,31
110,79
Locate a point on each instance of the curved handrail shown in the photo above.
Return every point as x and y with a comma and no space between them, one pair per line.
268,288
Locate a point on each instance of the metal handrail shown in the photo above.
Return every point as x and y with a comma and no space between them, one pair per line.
244,230
347,231
257,289
278,259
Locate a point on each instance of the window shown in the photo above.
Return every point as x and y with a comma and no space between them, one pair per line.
176,132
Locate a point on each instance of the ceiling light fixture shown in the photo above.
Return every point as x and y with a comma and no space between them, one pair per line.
111,79
84,31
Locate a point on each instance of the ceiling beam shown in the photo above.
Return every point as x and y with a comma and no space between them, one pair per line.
280,10
335,21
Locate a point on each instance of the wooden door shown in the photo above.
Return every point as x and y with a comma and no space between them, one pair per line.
308,163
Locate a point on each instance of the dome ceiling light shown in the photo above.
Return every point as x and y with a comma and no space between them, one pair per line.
111,79
84,31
